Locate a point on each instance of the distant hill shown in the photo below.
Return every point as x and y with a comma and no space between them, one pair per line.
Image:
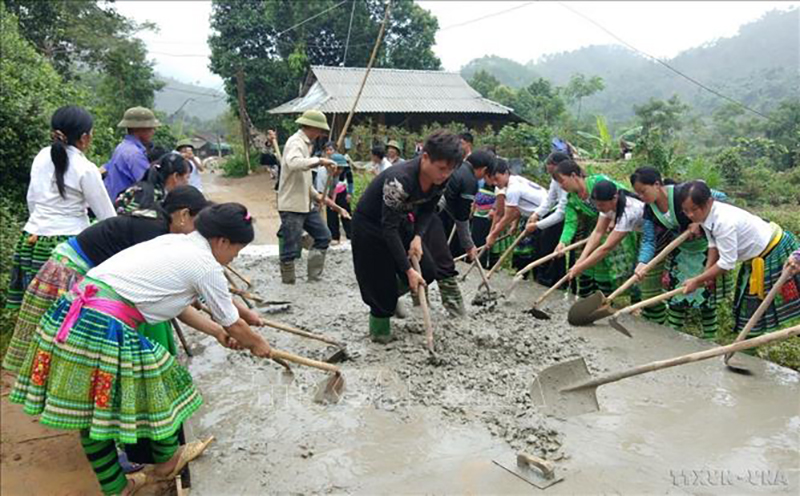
759,66
204,103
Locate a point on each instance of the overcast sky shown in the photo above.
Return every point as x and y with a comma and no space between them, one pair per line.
526,32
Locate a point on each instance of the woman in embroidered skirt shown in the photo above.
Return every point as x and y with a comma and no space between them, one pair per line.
64,183
735,235
664,220
72,259
622,213
581,214
89,370
169,172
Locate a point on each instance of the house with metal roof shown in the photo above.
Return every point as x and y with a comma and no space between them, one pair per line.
395,97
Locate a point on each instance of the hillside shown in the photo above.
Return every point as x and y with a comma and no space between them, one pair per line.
759,66
204,103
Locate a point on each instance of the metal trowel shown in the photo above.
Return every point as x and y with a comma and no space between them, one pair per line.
535,471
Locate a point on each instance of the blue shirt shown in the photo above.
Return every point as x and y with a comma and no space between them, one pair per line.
128,165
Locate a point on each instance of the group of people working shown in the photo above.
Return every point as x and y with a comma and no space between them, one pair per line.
93,346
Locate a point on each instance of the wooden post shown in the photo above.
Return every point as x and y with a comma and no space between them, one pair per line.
245,131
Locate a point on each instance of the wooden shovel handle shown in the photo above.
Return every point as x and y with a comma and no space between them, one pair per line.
552,288
690,358
423,301
291,357
240,276
786,274
549,257
649,301
481,249
506,254
299,332
652,263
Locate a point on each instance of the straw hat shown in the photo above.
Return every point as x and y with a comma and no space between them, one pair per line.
313,118
139,118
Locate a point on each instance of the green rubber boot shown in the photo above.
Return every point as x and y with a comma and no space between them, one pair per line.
380,329
451,297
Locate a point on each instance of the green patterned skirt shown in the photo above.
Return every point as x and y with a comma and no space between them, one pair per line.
28,258
64,268
785,309
105,377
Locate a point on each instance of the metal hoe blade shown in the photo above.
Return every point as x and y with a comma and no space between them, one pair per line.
330,390
587,310
614,323
539,314
549,395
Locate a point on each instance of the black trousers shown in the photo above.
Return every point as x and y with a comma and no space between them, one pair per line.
546,241
435,244
376,272
447,225
333,218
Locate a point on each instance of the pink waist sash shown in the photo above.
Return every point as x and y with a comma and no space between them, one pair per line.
127,314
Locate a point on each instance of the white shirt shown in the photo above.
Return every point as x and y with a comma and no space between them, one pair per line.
632,218
194,176
52,215
524,194
163,276
385,164
737,234
556,196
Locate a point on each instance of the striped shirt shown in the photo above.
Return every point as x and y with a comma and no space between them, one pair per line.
163,276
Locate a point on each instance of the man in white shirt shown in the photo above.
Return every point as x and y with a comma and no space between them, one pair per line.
522,198
295,194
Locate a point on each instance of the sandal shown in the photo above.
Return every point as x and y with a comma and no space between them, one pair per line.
189,452
139,479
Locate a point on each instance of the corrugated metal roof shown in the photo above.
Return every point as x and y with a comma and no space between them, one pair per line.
390,90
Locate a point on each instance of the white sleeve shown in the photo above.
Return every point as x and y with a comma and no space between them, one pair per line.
727,243
513,196
95,193
552,198
213,287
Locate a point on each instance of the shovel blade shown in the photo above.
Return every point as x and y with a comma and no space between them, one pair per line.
583,312
619,327
330,390
338,356
547,390
538,314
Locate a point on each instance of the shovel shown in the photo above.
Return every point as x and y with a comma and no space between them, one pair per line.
506,254
426,313
567,388
762,308
328,391
338,356
613,322
535,471
490,295
521,274
534,310
244,279
235,288
597,306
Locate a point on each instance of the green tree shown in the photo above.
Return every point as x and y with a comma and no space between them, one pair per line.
31,91
783,128
484,83
540,103
579,87
274,47
666,116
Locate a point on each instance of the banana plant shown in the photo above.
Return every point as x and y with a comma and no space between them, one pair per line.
603,145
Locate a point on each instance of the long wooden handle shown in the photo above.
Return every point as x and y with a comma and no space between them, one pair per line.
240,276
291,357
277,148
481,249
426,313
652,263
506,254
690,358
452,234
761,309
648,302
549,257
550,291
299,332
477,262
181,337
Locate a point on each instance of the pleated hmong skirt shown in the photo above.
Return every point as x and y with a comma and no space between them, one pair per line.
105,377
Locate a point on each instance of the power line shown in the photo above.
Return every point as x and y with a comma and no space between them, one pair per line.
501,12
310,18
170,88
349,29
676,71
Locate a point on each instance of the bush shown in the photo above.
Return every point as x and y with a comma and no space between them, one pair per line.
10,225
235,165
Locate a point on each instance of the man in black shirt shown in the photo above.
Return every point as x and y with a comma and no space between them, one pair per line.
455,207
391,225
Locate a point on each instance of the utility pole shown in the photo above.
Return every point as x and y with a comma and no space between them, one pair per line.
242,112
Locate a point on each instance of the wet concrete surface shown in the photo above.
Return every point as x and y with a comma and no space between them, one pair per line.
406,425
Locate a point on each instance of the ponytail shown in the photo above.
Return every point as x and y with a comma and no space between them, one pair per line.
605,190
169,164
68,125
